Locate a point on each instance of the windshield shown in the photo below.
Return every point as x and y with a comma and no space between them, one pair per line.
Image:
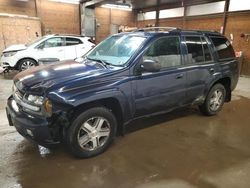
33,42
116,50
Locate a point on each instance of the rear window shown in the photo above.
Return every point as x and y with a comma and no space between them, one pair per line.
72,41
223,48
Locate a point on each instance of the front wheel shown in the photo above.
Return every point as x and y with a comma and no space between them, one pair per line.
214,100
26,64
91,132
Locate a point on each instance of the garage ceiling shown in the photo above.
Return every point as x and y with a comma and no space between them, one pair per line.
142,4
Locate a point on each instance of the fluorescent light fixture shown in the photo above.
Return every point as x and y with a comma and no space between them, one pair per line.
121,6
67,1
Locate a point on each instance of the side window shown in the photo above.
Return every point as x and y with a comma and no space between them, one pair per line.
53,42
72,41
166,51
207,53
223,48
195,49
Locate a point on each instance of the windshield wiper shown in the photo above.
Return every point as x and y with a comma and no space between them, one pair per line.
103,62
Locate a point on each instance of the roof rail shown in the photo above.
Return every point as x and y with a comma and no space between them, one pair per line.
65,34
156,29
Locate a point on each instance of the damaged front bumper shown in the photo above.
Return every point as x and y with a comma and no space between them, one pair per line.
37,128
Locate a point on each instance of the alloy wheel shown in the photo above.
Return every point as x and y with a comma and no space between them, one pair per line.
27,64
216,100
93,133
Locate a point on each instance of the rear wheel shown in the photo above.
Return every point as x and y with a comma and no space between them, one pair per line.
214,100
25,64
91,132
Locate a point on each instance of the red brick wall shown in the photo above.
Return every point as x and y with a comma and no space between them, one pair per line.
18,7
238,24
105,17
57,17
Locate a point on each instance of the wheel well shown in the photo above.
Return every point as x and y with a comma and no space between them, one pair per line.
226,82
110,103
17,64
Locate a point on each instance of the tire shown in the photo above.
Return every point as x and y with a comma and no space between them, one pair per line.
91,133
25,64
214,100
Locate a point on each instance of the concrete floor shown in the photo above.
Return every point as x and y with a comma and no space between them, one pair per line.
182,149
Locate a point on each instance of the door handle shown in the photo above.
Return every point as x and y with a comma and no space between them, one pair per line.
211,70
60,50
179,76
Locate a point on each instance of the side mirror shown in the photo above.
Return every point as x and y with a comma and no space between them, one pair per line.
150,66
40,46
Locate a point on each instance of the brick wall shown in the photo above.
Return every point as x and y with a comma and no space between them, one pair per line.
18,30
105,17
59,17
237,24
18,7
55,17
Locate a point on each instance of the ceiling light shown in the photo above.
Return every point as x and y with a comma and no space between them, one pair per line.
67,1
121,6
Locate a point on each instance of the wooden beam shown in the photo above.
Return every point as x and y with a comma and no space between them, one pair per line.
157,13
184,15
227,2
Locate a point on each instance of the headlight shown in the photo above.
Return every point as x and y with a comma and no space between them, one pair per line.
9,54
38,100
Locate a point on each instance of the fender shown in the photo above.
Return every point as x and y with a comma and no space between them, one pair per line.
88,97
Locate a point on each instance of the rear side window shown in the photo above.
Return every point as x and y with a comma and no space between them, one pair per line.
195,49
198,50
72,41
166,51
223,48
206,50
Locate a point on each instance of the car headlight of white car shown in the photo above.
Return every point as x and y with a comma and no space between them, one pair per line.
9,54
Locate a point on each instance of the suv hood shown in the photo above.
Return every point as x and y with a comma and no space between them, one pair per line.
43,77
16,47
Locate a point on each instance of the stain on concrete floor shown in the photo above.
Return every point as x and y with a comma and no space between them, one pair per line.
182,149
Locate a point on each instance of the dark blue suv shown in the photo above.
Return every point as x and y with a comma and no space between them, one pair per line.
85,103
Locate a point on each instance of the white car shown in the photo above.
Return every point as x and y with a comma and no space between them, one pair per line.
61,47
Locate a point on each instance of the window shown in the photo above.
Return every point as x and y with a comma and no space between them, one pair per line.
72,41
52,42
223,48
195,50
207,53
166,51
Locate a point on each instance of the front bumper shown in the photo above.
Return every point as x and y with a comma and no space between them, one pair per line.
8,62
34,128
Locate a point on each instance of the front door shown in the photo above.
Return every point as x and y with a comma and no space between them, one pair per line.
51,48
163,90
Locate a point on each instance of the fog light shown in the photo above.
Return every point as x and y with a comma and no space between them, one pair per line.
14,106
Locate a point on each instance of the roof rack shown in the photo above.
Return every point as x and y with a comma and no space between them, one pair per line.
156,29
72,35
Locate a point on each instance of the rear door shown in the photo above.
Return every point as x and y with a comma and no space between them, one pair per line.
73,47
163,90
200,67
